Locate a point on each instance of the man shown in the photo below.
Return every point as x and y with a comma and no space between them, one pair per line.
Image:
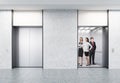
92,51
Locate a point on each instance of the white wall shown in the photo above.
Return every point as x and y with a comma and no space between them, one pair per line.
60,39
27,18
92,18
5,40
114,39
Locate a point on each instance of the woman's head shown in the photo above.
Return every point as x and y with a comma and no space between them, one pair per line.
81,39
86,39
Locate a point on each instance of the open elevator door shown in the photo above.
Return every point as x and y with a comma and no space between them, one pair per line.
27,47
100,35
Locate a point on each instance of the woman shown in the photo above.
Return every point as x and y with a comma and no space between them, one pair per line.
80,54
87,48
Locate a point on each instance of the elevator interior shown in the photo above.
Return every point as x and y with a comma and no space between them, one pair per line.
27,47
100,34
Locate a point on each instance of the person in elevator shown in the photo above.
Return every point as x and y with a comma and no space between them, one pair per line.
87,47
80,54
92,51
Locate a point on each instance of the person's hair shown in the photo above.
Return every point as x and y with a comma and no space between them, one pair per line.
81,39
91,38
87,39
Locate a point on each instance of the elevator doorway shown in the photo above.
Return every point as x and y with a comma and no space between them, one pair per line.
100,35
27,47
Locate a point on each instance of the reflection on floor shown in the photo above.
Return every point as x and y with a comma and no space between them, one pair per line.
98,61
81,75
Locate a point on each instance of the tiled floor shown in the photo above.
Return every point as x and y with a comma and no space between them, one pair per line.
81,75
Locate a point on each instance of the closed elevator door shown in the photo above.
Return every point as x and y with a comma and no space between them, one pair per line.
29,50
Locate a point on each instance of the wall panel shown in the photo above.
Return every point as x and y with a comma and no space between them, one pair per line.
5,39
60,39
114,39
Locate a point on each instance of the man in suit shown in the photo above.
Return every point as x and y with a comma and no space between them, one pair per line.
92,51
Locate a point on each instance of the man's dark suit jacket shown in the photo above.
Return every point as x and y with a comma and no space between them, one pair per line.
93,46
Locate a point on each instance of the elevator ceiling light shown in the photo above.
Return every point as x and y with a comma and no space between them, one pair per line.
87,28
91,28
87,31
83,31
81,28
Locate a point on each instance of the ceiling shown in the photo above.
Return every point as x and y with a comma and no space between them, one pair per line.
60,4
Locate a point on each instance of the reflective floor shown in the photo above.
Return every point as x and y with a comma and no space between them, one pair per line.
81,75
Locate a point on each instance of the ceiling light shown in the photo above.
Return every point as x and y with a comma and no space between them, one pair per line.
87,31
91,28
86,28
81,28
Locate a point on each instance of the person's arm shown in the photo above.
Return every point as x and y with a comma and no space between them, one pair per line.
95,46
90,46
79,45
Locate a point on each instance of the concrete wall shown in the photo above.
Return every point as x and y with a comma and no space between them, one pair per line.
5,40
114,39
60,39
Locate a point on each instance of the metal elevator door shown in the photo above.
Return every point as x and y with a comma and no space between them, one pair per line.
29,47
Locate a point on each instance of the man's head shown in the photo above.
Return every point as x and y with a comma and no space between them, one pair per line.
91,39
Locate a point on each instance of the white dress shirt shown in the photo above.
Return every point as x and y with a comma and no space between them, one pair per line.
86,46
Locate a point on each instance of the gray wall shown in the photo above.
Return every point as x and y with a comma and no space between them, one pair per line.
60,39
5,39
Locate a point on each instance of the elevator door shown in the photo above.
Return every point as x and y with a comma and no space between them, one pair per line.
29,47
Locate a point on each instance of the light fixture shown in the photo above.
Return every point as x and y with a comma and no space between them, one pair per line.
87,28
87,31
81,28
91,28
83,31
